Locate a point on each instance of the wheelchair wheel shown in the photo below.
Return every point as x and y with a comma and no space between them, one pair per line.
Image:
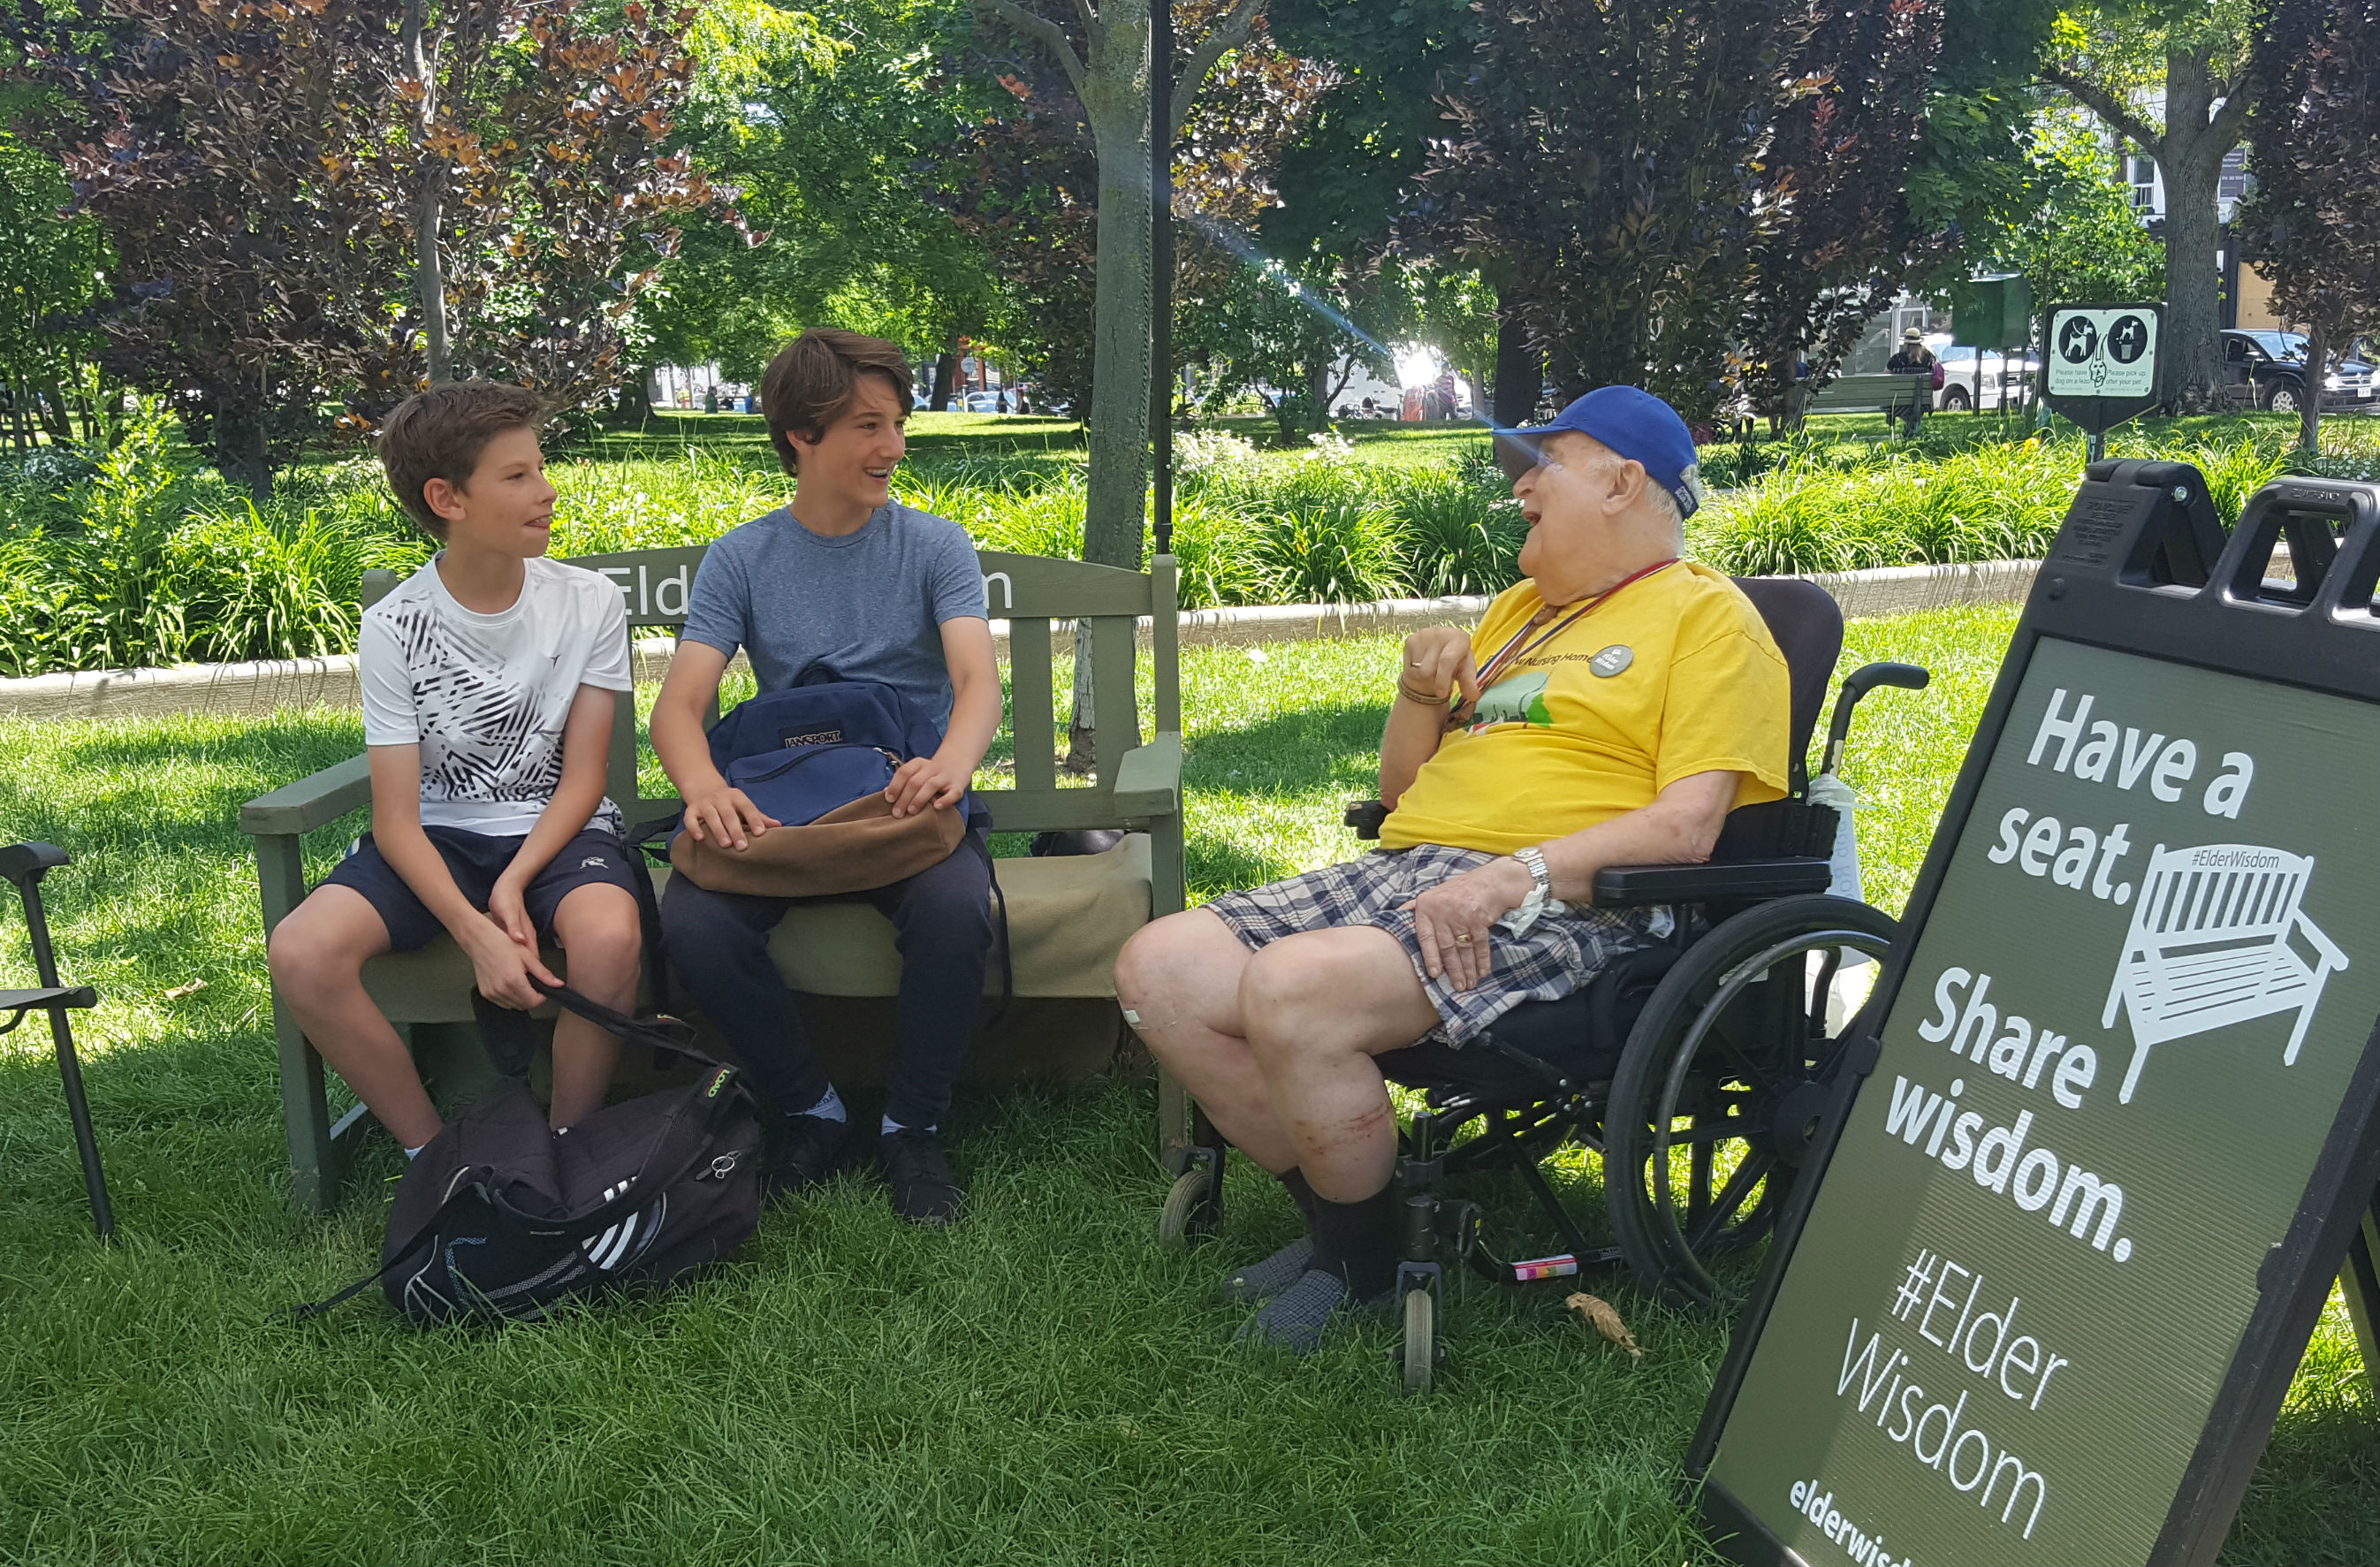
1420,1347
1191,1209
1723,1084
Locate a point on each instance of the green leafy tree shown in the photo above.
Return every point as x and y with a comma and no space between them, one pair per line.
258,169
829,121
2314,220
1973,173
50,275
2171,77
1604,158
1104,49
1838,235
2080,237
1284,336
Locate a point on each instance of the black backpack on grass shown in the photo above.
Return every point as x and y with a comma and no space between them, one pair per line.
500,1217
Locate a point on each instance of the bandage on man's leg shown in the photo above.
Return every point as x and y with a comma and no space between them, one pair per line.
1179,980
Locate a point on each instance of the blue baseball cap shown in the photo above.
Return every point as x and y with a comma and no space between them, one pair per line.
1630,422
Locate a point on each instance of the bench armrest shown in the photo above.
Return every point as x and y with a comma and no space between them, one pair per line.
1148,780
1627,886
312,802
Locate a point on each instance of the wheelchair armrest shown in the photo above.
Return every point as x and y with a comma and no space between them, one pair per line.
1630,886
25,864
313,801
1366,816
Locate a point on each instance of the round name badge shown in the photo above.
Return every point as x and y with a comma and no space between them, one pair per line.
1612,660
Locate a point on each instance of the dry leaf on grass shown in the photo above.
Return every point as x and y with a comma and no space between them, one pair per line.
191,989
1604,1319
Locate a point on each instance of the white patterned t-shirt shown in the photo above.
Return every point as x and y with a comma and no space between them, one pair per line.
486,696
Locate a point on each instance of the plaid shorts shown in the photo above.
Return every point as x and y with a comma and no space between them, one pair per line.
1555,956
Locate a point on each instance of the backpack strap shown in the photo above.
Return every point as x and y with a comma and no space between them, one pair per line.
1007,950
413,1245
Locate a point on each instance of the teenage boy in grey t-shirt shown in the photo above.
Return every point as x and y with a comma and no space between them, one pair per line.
846,580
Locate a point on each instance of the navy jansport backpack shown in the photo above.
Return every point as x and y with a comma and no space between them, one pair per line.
821,743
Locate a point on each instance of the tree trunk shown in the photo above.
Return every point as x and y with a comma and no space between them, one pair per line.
2190,155
1520,370
240,451
430,277
946,374
2317,361
1115,506
1118,486
429,270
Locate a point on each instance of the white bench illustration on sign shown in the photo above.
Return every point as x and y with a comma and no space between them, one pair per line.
2211,946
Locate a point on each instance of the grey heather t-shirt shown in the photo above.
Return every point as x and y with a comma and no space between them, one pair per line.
869,605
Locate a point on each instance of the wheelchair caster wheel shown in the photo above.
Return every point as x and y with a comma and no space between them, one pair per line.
1189,1209
1420,1351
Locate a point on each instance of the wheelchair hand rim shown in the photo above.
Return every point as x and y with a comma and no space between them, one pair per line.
1733,985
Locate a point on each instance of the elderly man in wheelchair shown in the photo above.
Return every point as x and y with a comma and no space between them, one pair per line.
1552,786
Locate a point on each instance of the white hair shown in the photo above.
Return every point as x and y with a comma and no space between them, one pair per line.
1665,507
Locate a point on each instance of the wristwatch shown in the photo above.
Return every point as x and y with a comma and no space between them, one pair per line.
1540,895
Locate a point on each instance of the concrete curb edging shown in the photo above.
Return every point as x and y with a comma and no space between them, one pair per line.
268,685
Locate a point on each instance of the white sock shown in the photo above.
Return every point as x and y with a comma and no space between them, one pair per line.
891,1126
415,1153
830,1108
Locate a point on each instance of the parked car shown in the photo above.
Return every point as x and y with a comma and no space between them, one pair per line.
2269,370
983,403
1960,391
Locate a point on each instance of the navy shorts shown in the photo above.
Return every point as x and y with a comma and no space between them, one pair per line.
475,860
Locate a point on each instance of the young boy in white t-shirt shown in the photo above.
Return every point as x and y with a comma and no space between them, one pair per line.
488,677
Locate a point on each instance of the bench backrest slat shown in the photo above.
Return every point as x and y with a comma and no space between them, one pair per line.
1115,713
1030,592
2182,903
1032,724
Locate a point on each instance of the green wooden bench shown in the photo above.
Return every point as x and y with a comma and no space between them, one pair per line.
1895,397
840,958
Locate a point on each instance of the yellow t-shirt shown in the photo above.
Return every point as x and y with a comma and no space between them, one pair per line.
1675,674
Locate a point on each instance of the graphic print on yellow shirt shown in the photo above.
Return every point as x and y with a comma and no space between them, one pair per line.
1675,674
1518,698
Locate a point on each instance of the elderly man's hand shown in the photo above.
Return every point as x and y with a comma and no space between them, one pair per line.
1437,659
1454,922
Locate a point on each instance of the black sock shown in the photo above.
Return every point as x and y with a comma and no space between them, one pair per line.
1359,1241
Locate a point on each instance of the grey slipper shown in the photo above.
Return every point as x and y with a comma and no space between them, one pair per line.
1260,1282
1295,1319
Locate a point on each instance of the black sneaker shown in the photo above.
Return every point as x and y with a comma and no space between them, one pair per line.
805,1151
924,1190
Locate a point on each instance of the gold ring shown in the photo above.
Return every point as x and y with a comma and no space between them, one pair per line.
1462,937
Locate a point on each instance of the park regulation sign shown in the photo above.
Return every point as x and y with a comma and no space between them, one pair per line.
2094,1168
2100,366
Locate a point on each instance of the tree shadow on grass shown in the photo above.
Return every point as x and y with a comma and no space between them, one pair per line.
1334,745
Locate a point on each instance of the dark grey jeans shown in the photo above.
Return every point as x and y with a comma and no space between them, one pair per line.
717,943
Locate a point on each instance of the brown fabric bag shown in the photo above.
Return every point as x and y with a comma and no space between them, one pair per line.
852,848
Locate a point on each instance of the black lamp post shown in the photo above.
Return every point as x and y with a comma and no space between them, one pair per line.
1160,293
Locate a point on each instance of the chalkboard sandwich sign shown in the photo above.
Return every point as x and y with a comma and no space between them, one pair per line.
2106,1145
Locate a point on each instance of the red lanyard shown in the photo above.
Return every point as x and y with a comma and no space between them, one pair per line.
1505,654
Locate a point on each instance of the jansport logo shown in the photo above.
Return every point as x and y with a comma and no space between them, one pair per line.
1862,1548
815,737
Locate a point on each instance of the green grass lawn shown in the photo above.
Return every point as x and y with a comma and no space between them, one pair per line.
1040,1384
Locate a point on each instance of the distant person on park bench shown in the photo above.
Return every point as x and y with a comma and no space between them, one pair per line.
1914,357
847,578
1612,709
488,679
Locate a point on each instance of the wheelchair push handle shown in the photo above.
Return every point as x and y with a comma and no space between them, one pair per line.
1858,684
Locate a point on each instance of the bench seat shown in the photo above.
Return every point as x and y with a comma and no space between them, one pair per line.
1067,915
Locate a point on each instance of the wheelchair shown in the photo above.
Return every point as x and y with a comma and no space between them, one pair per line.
1698,1069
